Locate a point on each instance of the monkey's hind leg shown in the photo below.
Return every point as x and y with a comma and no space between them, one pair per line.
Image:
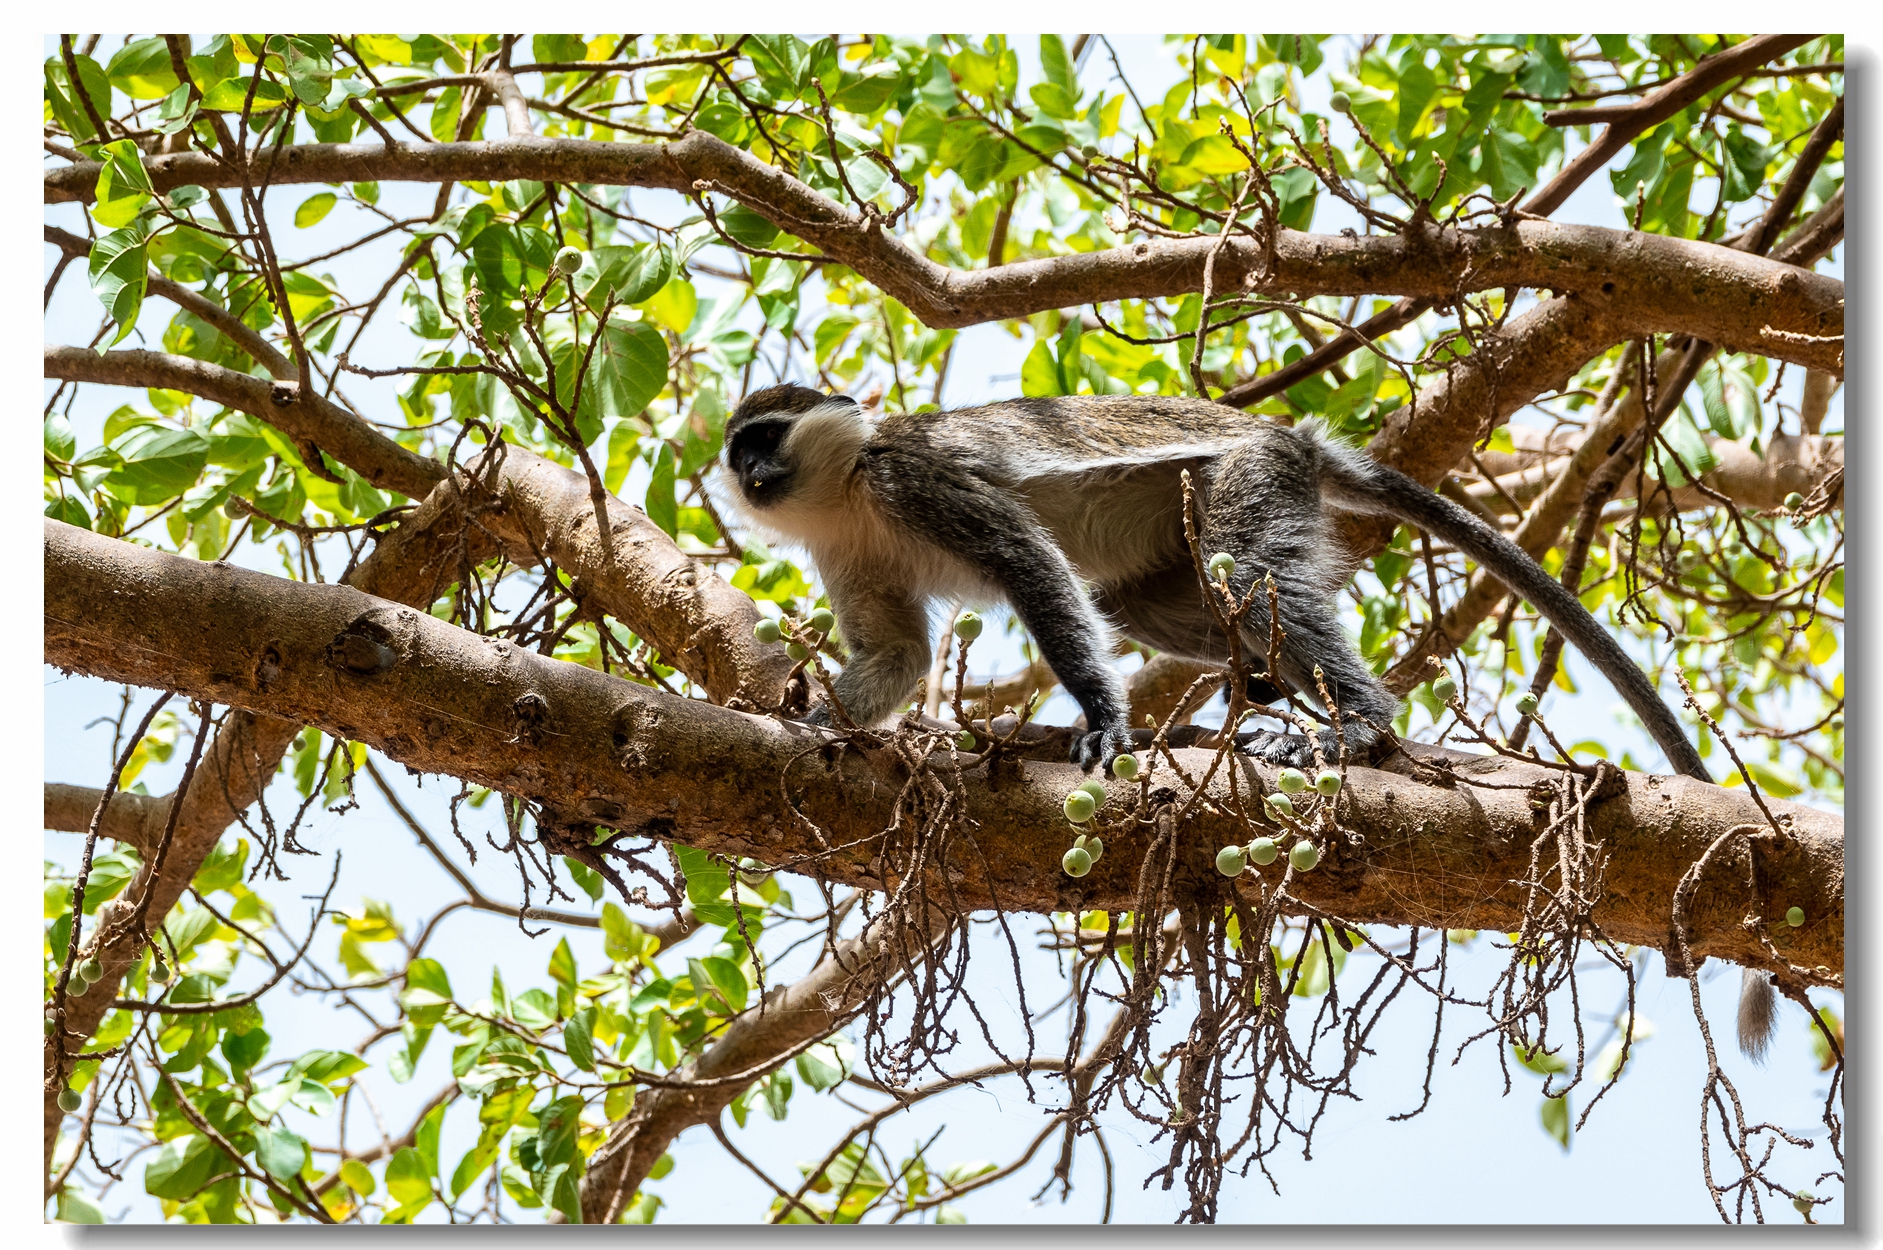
1264,508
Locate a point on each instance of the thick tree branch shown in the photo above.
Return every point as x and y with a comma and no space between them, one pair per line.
654,765
1654,283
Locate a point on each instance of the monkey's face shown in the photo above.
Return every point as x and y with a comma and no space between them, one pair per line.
755,456
792,445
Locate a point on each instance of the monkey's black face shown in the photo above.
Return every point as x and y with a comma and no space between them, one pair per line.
755,456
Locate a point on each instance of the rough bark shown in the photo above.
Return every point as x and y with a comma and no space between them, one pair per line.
1654,283
448,701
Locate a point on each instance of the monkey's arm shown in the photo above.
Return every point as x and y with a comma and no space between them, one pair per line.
885,628
988,528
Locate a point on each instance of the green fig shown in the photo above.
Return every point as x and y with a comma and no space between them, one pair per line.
69,1101
1263,851
1292,781
1230,861
968,626
568,260
1281,805
964,741
823,620
1794,916
1794,501
1526,704
1077,862
797,651
1444,688
1327,782
1304,856
1079,807
90,971
1124,767
767,630
1222,564
1340,102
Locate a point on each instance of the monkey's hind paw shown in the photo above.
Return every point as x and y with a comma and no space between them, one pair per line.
1100,747
1287,750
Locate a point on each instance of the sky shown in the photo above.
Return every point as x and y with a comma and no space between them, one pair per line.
1636,1162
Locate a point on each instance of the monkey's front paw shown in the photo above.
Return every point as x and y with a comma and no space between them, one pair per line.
1101,747
819,715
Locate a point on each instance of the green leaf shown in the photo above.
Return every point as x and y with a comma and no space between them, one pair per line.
746,226
313,208
76,1208
621,937
141,69
1039,375
578,1038
71,511
427,994
587,878
723,975
159,464
628,369
444,115
408,1180
120,269
660,506
628,275
329,1067
1541,1062
59,441
533,1009
1508,163
66,103
183,1166
309,63
1555,1116
827,1064
1056,65
123,185
281,1152
562,964
228,95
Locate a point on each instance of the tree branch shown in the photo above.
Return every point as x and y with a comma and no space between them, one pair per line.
658,766
305,418
1654,283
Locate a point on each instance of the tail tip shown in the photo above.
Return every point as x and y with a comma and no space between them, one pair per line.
1758,1014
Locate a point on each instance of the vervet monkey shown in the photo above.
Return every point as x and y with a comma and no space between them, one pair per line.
1029,501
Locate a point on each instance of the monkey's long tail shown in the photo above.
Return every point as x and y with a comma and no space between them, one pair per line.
1361,484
